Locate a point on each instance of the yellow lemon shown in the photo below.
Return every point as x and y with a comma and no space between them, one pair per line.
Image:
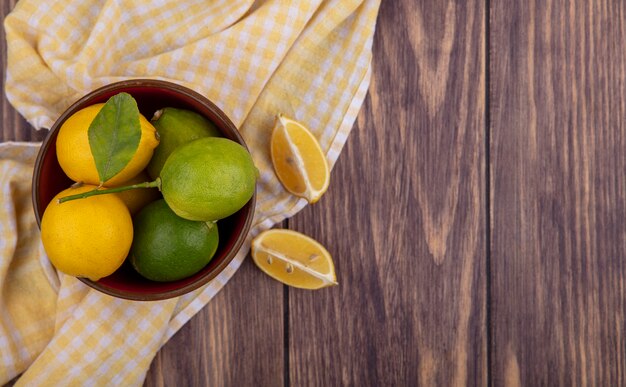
298,160
293,259
136,199
88,237
74,151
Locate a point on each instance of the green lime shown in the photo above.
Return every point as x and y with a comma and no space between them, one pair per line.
208,179
167,247
177,127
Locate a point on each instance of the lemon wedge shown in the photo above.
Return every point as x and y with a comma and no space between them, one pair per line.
293,259
298,160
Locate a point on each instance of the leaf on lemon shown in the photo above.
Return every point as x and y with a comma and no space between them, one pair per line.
114,135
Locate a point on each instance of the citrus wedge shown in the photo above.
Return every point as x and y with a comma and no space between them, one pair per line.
293,259
298,160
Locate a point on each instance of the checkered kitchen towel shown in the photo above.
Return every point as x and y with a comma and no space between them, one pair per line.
307,59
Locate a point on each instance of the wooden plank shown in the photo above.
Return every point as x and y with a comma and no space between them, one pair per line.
236,340
405,216
558,108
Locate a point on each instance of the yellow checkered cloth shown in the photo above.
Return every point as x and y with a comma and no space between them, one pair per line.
307,59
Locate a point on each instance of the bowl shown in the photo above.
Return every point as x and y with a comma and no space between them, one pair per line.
151,95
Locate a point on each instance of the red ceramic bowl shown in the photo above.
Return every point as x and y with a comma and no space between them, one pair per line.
151,95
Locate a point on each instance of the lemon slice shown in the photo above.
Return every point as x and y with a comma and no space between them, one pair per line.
293,259
298,160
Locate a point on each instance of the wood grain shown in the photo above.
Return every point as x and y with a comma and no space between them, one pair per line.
236,340
404,216
558,269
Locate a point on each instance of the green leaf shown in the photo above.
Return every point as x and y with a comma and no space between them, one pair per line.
114,135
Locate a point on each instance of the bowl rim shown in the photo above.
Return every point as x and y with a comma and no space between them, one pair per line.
199,98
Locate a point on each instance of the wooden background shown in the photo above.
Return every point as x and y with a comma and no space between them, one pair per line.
476,216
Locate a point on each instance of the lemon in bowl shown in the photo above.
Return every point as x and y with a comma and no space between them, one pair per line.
77,245
74,152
